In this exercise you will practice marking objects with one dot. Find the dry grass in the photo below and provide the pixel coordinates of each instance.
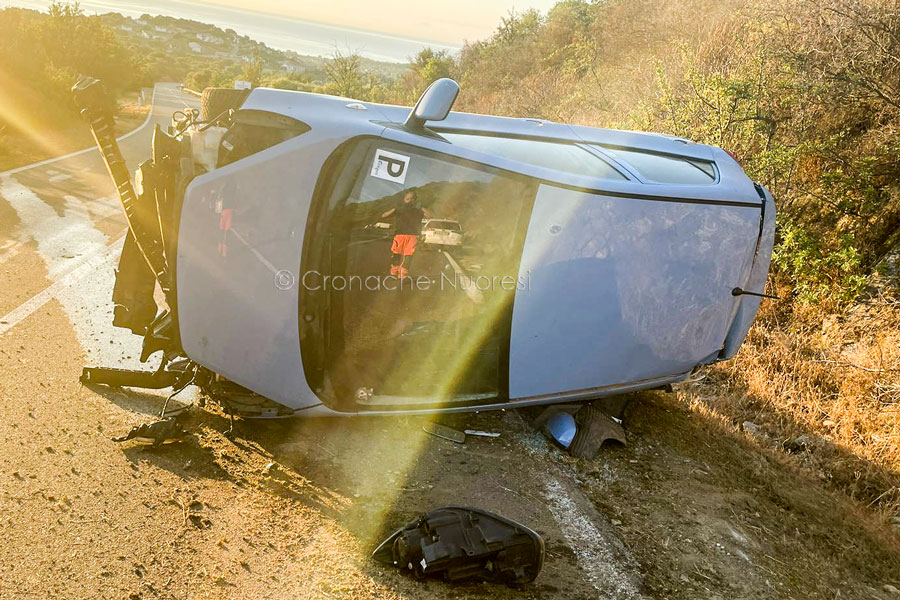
(828, 393)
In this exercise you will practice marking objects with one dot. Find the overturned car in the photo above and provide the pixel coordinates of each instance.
(285, 232)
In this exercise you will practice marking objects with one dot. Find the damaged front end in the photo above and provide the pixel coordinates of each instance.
(147, 205)
(144, 294)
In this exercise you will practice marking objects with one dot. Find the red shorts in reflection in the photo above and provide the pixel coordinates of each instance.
(404, 245)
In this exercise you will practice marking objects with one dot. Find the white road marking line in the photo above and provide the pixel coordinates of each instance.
(609, 567)
(98, 207)
(595, 554)
(86, 150)
(471, 290)
(89, 266)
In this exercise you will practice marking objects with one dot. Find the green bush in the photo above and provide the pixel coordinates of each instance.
(821, 273)
(42, 55)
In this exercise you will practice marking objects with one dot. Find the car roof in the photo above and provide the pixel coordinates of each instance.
(301, 105)
(335, 118)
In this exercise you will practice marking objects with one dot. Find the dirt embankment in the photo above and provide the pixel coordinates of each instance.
(825, 394)
(292, 510)
(711, 511)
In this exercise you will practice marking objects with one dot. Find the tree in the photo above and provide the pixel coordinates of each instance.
(427, 66)
(345, 75)
(75, 44)
(253, 69)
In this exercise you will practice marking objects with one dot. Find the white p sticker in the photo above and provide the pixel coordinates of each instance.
(390, 166)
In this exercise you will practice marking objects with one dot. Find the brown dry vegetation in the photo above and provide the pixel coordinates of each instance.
(826, 391)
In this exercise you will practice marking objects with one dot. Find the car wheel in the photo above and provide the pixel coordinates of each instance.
(216, 101)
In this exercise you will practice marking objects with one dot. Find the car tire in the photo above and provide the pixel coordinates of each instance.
(216, 100)
(595, 426)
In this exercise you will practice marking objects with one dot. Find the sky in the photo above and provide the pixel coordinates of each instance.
(388, 30)
(448, 21)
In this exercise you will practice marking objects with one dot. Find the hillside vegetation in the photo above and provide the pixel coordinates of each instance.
(806, 94)
(41, 56)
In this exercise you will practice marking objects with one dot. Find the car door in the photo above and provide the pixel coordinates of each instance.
(624, 289)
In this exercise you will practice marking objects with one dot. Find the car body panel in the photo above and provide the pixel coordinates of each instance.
(623, 290)
(756, 282)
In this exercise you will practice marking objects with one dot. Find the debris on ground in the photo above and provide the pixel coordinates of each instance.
(461, 543)
(801, 443)
(753, 430)
(594, 428)
(160, 432)
(580, 429)
(562, 427)
(558, 422)
(479, 433)
(444, 432)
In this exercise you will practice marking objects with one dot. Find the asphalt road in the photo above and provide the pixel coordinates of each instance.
(62, 228)
(285, 511)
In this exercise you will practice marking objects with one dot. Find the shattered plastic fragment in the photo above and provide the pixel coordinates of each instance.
(444, 432)
(562, 428)
(156, 433)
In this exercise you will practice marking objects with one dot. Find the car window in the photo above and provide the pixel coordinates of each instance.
(449, 225)
(559, 156)
(254, 131)
(663, 168)
(439, 333)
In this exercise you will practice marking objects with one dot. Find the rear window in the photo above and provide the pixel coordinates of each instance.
(254, 131)
(568, 158)
(663, 168)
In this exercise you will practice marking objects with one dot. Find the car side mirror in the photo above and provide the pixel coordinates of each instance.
(434, 104)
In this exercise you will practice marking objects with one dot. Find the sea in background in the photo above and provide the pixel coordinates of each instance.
(282, 33)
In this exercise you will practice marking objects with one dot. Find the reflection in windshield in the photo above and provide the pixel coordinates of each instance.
(424, 266)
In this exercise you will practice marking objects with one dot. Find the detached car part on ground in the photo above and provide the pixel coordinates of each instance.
(595, 262)
(459, 543)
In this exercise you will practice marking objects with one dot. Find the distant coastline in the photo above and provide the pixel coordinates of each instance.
(283, 33)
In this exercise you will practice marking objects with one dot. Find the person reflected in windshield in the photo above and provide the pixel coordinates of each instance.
(406, 234)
